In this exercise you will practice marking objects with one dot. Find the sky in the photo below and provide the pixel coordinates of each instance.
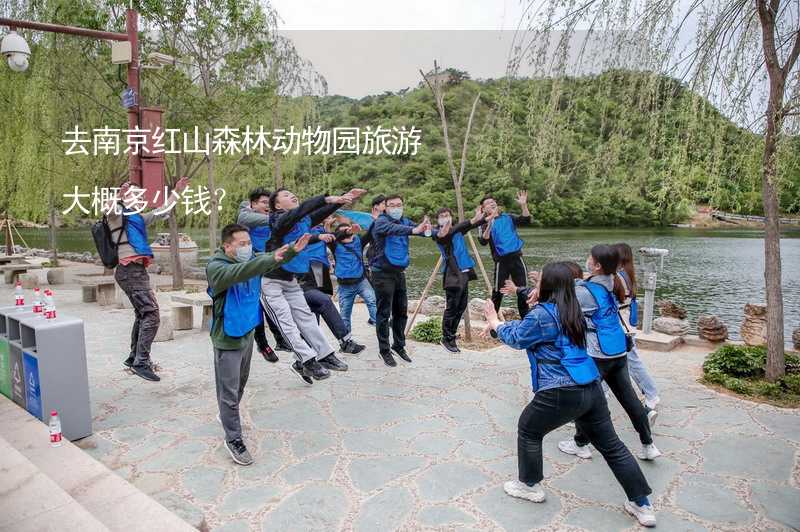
(365, 47)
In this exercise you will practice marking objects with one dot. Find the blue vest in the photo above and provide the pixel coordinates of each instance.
(460, 253)
(606, 320)
(318, 252)
(259, 236)
(241, 312)
(136, 231)
(300, 263)
(574, 359)
(395, 249)
(348, 259)
(634, 306)
(504, 236)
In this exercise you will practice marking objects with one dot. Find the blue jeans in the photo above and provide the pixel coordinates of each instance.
(347, 296)
(640, 375)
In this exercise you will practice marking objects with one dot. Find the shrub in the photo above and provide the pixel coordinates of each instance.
(792, 383)
(429, 331)
(737, 361)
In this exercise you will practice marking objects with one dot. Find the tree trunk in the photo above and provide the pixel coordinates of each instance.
(213, 218)
(174, 244)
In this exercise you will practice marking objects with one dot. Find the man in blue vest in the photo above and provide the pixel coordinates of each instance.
(457, 270)
(234, 284)
(254, 214)
(506, 245)
(351, 274)
(390, 233)
(131, 274)
(283, 296)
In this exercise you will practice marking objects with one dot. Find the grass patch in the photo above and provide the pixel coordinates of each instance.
(740, 369)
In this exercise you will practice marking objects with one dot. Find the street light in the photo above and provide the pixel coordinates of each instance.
(16, 51)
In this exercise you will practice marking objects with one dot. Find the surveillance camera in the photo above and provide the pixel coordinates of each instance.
(16, 51)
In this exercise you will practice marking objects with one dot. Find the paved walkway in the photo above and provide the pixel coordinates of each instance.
(420, 446)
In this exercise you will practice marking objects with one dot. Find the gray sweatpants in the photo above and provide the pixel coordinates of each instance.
(286, 305)
(231, 369)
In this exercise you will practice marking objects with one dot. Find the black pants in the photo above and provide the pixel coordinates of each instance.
(260, 334)
(392, 301)
(615, 372)
(322, 305)
(135, 282)
(456, 303)
(550, 409)
(513, 268)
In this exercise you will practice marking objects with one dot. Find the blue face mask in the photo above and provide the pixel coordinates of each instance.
(244, 253)
(395, 212)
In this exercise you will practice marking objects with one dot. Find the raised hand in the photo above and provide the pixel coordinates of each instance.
(354, 229)
(522, 197)
(301, 242)
(533, 277)
(356, 193)
(420, 228)
(509, 289)
(489, 311)
(533, 297)
(280, 253)
(326, 237)
(182, 183)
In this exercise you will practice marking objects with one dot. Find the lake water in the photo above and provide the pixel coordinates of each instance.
(707, 271)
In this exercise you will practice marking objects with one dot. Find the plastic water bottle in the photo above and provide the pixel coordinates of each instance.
(37, 302)
(428, 232)
(49, 305)
(55, 430)
(19, 295)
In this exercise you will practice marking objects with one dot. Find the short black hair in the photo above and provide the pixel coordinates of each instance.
(229, 230)
(393, 196)
(487, 197)
(380, 198)
(273, 198)
(258, 193)
(444, 210)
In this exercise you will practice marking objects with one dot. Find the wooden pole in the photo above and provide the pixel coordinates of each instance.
(433, 276)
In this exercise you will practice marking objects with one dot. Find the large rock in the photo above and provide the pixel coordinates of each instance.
(669, 309)
(55, 276)
(754, 327)
(796, 339)
(671, 326)
(433, 306)
(711, 328)
(476, 308)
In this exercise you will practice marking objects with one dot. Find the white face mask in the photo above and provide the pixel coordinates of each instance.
(443, 221)
(244, 253)
(395, 212)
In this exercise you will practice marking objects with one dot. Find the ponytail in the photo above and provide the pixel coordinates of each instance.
(608, 259)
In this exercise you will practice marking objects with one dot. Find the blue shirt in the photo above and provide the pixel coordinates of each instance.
(537, 333)
(384, 226)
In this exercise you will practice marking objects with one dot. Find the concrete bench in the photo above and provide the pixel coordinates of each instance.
(182, 316)
(11, 259)
(194, 300)
(99, 288)
(12, 271)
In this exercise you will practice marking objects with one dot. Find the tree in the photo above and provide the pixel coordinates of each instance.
(738, 46)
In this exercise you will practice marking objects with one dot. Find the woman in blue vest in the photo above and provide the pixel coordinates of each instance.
(506, 246)
(457, 270)
(567, 388)
(351, 277)
(607, 344)
(636, 366)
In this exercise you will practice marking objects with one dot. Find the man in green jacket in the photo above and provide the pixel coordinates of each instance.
(234, 284)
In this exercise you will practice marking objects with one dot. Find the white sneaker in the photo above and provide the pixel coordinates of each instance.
(652, 403)
(518, 489)
(644, 514)
(652, 415)
(570, 447)
(649, 452)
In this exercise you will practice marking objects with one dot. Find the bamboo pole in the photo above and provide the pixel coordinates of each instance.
(433, 276)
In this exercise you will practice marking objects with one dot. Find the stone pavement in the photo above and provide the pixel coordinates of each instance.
(424, 446)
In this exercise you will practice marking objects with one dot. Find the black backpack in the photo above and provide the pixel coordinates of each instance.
(106, 246)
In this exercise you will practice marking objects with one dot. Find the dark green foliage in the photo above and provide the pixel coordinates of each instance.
(428, 331)
(741, 369)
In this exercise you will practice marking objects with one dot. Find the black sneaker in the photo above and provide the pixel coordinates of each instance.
(268, 354)
(388, 359)
(317, 371)
(146, 372)
(450, 346)
(283, 346)
(302, 372)
(128, 361)
(371, 322)
(331, 362)
(401, 352)
(239, 452)
(351, 347)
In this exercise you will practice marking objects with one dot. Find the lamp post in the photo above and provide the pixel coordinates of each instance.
(131, 36)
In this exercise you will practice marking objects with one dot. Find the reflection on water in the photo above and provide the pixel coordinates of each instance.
(707, 271)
